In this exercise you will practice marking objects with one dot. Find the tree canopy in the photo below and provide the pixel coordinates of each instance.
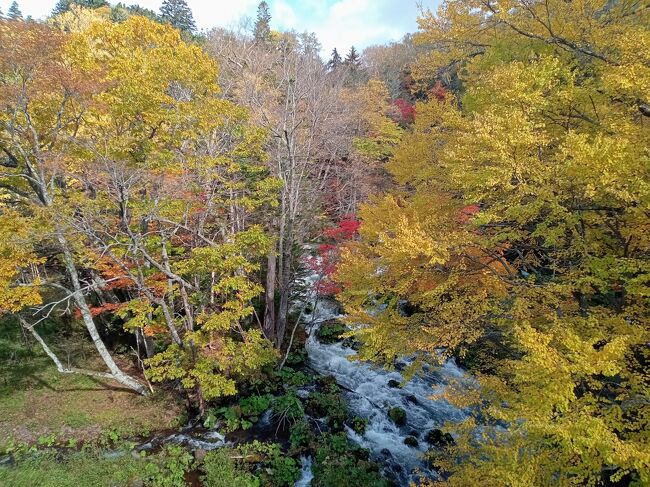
(517, 240)
(477, 192)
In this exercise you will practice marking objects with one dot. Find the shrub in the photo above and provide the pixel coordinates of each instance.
(337, 462)
(288, 409)
(168, 469)
(301, 435)
(220, 470)
(331, 331)
(328, 405)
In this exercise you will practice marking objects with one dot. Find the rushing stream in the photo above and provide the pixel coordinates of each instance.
(369, 395)
(370, 391)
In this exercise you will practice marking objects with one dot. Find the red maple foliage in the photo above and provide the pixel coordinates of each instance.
(467, 213)
(346, 228)
(328, 254)
(406, 109)
(438, 92)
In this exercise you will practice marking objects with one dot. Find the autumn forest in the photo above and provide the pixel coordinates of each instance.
(232, 258)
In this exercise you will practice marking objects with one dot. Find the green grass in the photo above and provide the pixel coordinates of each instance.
(92, 468)
(79, 469)
(36, 400)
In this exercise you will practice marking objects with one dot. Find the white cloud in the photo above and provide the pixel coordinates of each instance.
(284, 15)
(361, 23)
(339, 24)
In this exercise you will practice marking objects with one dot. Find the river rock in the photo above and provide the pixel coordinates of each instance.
(438, 438)
(398, 415)
(394, 383)
(412, 399)
(411, 441)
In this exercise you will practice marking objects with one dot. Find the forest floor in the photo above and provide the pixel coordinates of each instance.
(60, 430)
(39, 405)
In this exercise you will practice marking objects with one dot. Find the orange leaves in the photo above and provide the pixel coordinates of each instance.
(113, 274)
(467, 213)
(105, 308)
(153, 329)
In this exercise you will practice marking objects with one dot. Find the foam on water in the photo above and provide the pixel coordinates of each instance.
(372, 397)
(306, 475)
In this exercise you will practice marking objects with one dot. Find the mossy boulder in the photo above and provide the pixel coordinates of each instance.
(397, 415)
(438, 438)
(411, 441)
(358, 424)
(331, 331)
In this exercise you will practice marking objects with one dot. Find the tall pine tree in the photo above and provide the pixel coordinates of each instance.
(14, 12)
(263, 22)
(178, 14)
(336, 60)
(353, 60)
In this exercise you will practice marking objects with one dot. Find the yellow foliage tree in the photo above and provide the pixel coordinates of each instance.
(124, 162)
(518, 240)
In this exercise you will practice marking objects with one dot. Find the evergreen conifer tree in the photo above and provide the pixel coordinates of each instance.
(336, 60)
(353, 60)
(263, 22)
(178, 14)
(14, 12)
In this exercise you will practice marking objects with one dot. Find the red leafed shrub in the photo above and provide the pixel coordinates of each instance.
(106, 308)
(467, 213)
(406, 109)
(328, 254)
(98, 310)
(347, 228)
(438, 92)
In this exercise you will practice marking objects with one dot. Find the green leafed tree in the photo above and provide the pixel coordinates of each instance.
(121, 12)
(63, 6)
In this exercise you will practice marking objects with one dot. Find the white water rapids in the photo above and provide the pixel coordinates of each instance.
(373, 397)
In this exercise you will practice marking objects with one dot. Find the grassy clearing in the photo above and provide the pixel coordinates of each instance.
(37, 401)
(92, 468)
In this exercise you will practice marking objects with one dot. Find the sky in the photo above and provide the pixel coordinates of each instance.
(337, 23)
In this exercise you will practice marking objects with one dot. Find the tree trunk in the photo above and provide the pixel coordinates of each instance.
(146, 342)
(285, 296)
(87, 317)
(269, 311)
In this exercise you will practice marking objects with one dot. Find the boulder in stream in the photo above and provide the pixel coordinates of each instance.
(411, 441)
(438, 438)
(398, 416)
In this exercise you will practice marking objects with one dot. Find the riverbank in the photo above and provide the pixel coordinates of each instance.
(321, 420)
